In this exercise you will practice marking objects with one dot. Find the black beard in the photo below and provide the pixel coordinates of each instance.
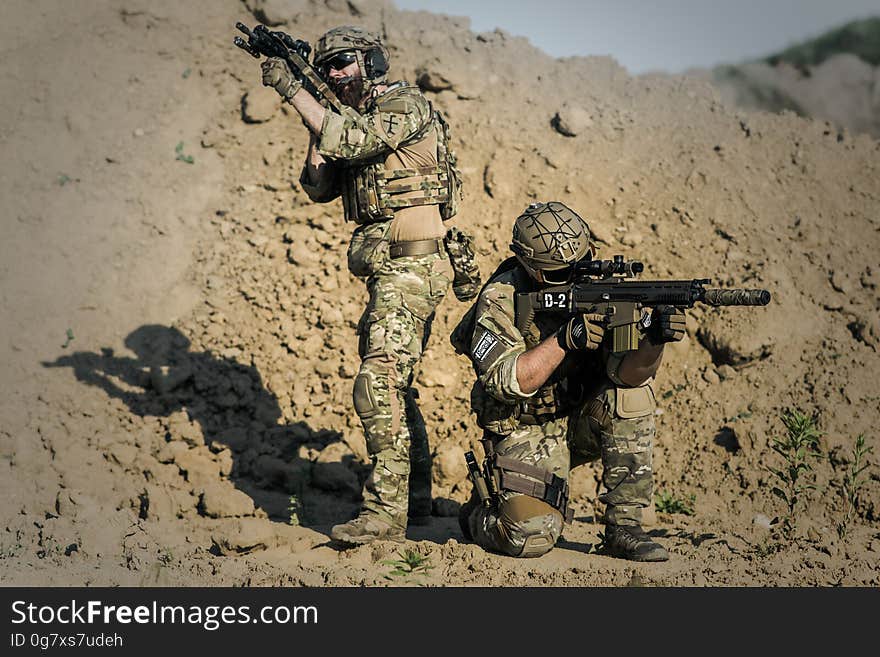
(349, 92)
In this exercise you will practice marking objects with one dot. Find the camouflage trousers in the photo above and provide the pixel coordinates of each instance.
(394, 329)
(523, 526)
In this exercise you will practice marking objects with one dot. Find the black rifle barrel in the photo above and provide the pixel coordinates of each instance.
(736, 297)
(241, 43)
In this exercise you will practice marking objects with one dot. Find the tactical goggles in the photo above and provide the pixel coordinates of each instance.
(557, 276)
(338, 61)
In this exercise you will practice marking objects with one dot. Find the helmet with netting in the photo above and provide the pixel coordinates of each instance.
(548, 238)
(372, 56)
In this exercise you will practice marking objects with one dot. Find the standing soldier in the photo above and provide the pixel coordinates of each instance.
(388, 161)
(551, 394)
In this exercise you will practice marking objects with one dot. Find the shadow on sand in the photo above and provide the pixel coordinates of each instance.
(234, 410)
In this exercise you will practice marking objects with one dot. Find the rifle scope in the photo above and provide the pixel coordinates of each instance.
(607, 268)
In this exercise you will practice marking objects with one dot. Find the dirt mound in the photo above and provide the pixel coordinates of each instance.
(198, 427)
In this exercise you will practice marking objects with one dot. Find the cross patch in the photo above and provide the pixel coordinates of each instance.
(391, 122)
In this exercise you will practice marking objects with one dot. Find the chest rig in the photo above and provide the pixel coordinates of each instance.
(372, 190)
(562, 391)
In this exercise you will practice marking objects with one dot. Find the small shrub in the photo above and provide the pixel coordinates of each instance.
(295, 509)
(666, 502)
(411, 563)
(178, 150)
(852, 482)
(799, 445)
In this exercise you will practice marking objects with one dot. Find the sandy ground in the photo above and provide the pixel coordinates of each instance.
(196, 428)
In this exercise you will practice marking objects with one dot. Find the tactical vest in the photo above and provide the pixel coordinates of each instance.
(371, 191)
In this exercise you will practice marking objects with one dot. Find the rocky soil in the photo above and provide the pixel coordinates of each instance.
(178, 321)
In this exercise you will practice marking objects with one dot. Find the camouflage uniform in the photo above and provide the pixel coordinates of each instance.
(395, 142)
(580, 414)
(393, 332)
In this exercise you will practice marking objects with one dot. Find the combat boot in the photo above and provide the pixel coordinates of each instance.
(367, 528)
(631, 542)
(419, 519)
(420, 502)
(419, 511)
(464, 517)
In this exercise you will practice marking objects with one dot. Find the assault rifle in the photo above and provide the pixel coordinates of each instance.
(261, 41)
(602, 286)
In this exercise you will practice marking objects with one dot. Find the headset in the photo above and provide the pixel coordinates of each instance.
(375, 63)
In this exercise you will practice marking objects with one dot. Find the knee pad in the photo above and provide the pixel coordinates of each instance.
(376, 401)
(530, 526)
(364, 396)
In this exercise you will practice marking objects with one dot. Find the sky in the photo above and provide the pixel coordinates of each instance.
(664, 35)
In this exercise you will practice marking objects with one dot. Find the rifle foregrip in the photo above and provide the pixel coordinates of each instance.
(736, 297)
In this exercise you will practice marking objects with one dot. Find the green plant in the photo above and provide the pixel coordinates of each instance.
(63, 179)
(853, 481)
(797, 447)
(295, 508)
(189, 159)
(69, 335)
(411, 563)
(666, 502)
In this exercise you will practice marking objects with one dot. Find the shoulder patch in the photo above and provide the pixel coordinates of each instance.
(402, 114)
(390, 124)
(396, 106)
(488, 346)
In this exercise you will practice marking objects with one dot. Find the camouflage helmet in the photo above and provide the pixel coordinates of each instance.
(372, 54)
(548, 238)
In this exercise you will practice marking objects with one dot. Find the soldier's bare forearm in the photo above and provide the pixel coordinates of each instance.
(535, 366)
(311, 111)
(640, 365)
(317, 166)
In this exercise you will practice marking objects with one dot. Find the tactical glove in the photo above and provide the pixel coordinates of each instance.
(277, 74)
(582, 332)
(667, 325)
(466, 282)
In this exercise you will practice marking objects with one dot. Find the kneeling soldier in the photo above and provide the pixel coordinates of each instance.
(551, 394)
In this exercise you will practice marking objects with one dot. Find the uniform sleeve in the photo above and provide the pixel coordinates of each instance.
(395, 120)
(497, 344)
(326, 190)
